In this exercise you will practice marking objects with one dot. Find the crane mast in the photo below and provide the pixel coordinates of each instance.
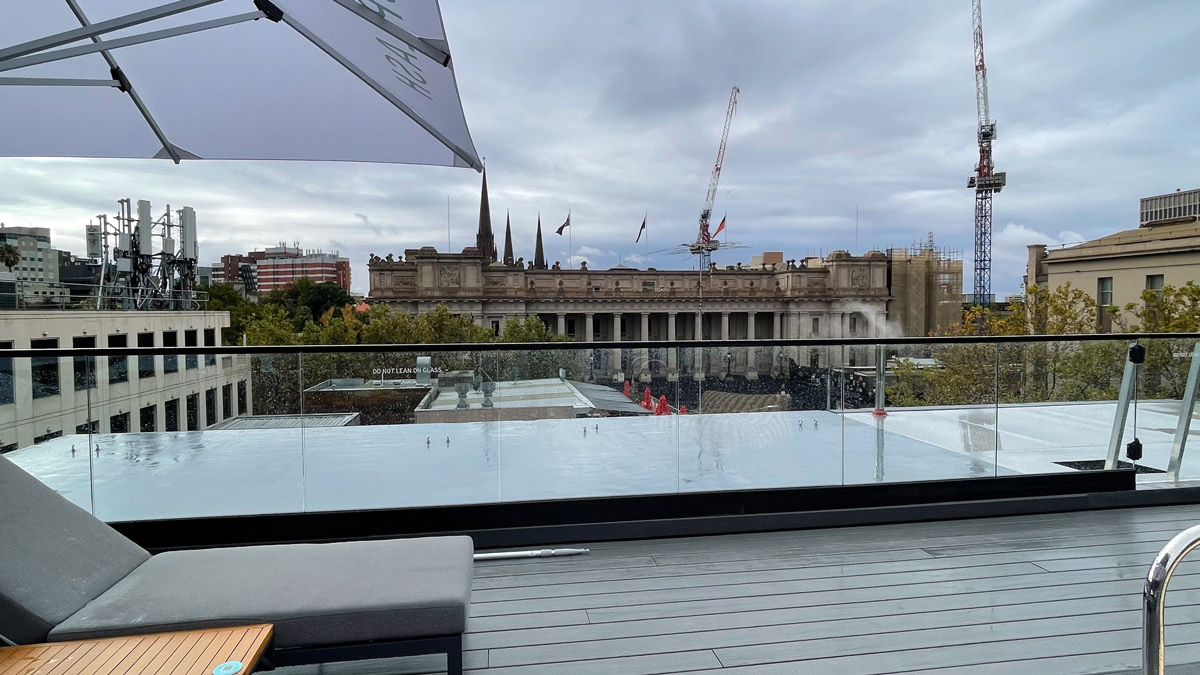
(986, 180)
(704, 239)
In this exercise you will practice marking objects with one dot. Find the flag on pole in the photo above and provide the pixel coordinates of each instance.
(720, 227)
(641, 231)
(565, 224)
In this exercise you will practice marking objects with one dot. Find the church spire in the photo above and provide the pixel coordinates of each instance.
(484, 241)
(508, 252)
(539, 258)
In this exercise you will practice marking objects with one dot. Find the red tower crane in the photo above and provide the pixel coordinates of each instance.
(986, 180)
(705, 245)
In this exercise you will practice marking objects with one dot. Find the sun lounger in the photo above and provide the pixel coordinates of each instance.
(65, 575)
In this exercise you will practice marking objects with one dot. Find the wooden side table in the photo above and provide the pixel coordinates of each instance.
(194, 652)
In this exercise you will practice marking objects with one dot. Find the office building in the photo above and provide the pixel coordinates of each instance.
(42, 399)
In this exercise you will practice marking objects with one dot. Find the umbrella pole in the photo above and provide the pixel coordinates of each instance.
(541, 553)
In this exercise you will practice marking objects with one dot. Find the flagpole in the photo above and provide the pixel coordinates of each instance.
(570, 242)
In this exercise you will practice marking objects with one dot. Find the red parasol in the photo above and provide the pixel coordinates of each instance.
(625, 389)
(683, 410)
(648, 400)
(663, 408)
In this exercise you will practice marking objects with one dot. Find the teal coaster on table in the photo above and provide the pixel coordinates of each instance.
(228, 668)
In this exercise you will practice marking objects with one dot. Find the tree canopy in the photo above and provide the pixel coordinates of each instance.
(1068, 370)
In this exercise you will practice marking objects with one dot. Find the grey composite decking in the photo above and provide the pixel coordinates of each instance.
(1028, 594)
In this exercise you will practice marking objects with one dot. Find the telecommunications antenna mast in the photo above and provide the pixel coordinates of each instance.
(986, 180)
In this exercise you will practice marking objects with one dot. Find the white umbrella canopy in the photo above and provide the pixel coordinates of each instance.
(330, 80)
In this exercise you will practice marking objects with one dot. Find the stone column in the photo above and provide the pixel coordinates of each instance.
(672, 352)
(618, 367)
(775, 326)
(588, 326)
(645, 334)
(562, 324)
(751, 352)
(724, 325)
(699, 326)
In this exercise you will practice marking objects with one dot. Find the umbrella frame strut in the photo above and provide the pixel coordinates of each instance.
(41, 50)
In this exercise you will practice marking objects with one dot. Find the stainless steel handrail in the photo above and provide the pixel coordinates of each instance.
(1153, 596)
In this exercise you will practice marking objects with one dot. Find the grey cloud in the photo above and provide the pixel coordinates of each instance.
(613, 110)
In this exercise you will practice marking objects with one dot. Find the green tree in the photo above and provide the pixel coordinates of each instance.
(271, 327)
(1018, 372)
(306, 301)
(439, 325)
(225, 298)
(10, 257)
(385, 327)
(1173, 310)
(531, 329)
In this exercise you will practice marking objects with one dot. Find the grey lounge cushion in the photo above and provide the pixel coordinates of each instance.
(54, 556)
(315, 594)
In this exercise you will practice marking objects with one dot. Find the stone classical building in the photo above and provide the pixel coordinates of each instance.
(1115, 269)
(840, 295)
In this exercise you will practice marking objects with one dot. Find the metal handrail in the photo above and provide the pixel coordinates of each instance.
(1153, 596)
(938, 341)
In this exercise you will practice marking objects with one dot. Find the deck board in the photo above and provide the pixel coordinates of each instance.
(1057, 593)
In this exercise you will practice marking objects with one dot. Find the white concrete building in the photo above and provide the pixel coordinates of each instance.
(42, 399)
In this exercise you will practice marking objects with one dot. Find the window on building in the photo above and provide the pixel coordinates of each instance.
(210, 340)
(170, 361)
(193, 412)
(814, 358)
(227, 401)
(171, 415)
(210, 407)
(92, 427)
(47, 436)
(147, 419)
(242, 408)
(145, 363)
(1104, 291)
(853, 325)
(84, 366)
(118, 366)
(816, 326)
(7, 448)
(1104, 300)
(7, 378)
(495, 328)
(190, 361)
(44, 369)
(119, 424)
(1154, 282)
(648, 286)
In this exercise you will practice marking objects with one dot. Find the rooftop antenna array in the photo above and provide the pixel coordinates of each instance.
(133, 275)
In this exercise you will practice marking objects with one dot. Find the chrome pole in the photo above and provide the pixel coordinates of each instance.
(1153, 596)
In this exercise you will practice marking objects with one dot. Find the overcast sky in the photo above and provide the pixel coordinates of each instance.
(613, 110)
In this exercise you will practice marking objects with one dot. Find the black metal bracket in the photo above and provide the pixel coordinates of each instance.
(269, 10)
(1137, 354)
(119, 75)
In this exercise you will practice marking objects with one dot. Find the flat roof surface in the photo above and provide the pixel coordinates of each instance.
(207, 473)
(549, 392)
(287, 421)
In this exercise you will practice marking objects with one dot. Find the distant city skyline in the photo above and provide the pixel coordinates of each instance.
(614, 111)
